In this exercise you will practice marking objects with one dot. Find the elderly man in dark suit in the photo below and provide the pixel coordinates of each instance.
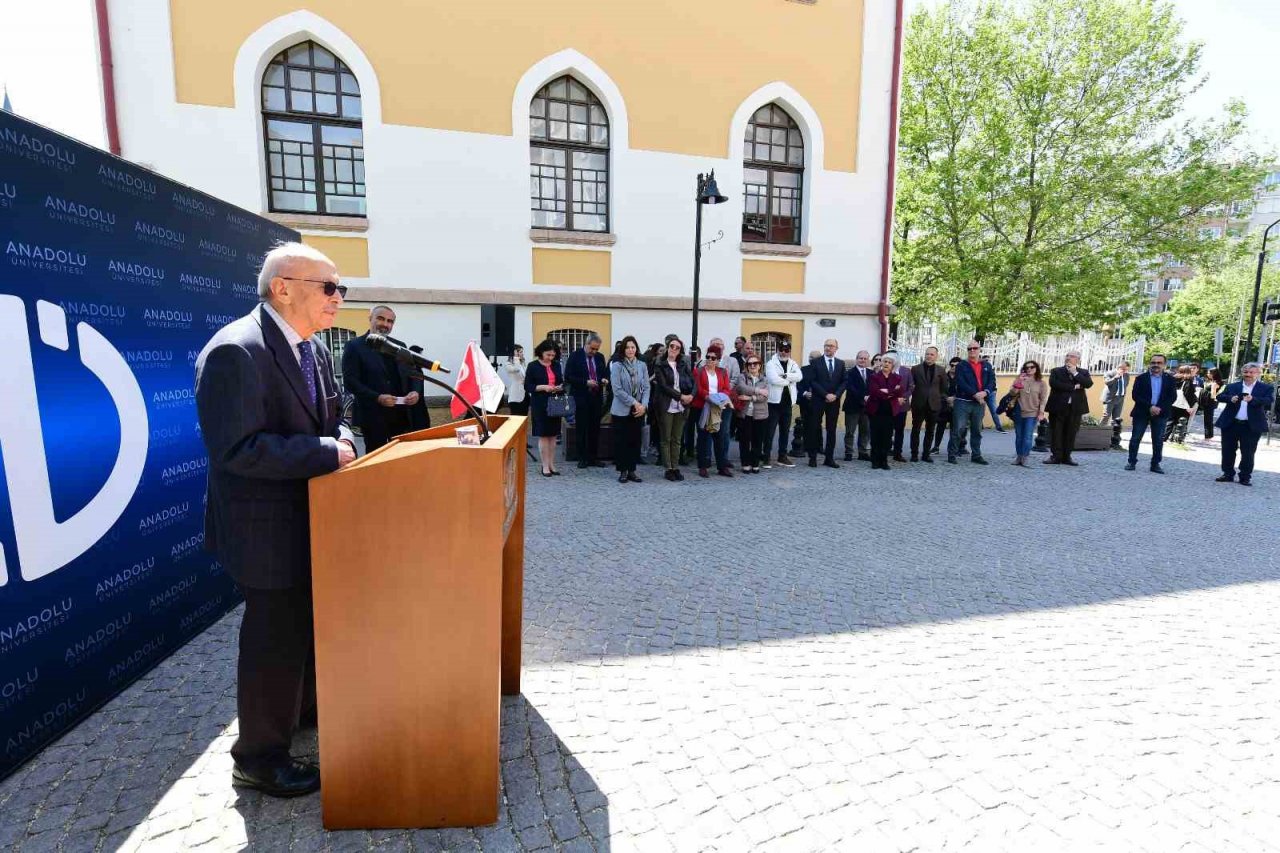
(270, 417)
(1068, 403)
(587, 375)
(856, 381)
(385, 396)
(826, 386)
(928, 390)
(1243, 421)
(1153, 394)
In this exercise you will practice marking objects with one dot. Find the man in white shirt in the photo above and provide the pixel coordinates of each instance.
(1243, 421)
(783, 375)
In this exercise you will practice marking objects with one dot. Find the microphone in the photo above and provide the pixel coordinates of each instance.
(386, 346)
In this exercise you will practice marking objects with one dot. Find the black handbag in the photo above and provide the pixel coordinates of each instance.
(1008, 403)
(560, 406)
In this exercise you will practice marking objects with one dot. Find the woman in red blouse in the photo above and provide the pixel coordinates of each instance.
(886, 398)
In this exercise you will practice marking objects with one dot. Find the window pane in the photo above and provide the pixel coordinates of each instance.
(299, 79)
(578, 113)
(547, 156)
(346, 205)
(762, 134)
(538, 128)
(299, 54)
(274, 76)
(349, 85)
(293, 201)
(795, 157)
(577, 133)
(273, 99)
(334, 135)
(548, 219)
(538, 107)
(326, 83)
(559, 111)
(301, 102)
(327, 104)
(357, 168)
(576, 91)
(598, 116)
(599, 135)
(321, 57)
(583, 160)
(351, 107)
(762, 152)
(786, 179)
(762, 114)
(559, 130)
(793, 137)
(588, 222)
(779, 136)
(289, 130)
(559, 89)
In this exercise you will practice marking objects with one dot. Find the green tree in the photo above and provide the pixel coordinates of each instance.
(1210, 301)
(1042, 161)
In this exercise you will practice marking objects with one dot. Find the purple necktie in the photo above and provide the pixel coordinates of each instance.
(308, 365)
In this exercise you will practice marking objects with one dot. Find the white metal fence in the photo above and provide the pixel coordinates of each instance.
(1008, 353)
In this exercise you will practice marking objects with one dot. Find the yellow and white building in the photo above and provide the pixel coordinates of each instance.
(540, 154)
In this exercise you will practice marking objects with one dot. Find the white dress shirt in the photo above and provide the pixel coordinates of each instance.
(1242, 413)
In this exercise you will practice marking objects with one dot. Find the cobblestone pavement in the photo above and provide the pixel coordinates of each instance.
(933, 658)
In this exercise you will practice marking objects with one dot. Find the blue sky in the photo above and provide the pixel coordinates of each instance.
(48, 59)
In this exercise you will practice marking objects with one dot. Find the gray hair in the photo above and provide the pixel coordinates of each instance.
(279, 259)
(375, 309)
(1252, 365)
(1070, 353)
(593, 338)
(889, 356)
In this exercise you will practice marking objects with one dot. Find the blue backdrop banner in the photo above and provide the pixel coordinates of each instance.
(111, 281)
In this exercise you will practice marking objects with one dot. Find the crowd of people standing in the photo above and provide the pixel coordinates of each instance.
(687, 408)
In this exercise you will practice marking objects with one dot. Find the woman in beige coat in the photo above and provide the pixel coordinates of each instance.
(1033, 392)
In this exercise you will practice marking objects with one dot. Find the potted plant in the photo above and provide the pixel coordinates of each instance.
(1093, 434)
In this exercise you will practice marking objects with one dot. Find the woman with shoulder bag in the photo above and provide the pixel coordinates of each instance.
(1027, 410)
(1209, 400)
(751, 390)
(544, 380)
(1184, 404)
(630, 380)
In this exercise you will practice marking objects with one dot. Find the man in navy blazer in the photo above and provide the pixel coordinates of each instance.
(1153, 393)
(826, 385)
(855, 408)
(270, 417)
(1243, 421)
(586, 376)
(975, 381)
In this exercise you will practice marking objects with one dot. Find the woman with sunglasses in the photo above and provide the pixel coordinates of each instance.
(672, 396)
(751, 390)
(542, 379)
(886, 398)
(712, 400)
(1028, 412)
(630, 382)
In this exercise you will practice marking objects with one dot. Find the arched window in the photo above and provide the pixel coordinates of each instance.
(311, 122)
(766, 343)
(568, 158)
(772, 177)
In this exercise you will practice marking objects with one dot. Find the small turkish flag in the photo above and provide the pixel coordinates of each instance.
(477, 382)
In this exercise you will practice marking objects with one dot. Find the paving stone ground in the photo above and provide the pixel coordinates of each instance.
(933, 658)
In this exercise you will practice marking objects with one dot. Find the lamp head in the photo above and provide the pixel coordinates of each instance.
(708, 192)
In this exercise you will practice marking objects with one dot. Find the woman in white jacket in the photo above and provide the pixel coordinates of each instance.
(782, 373)
(513, 376)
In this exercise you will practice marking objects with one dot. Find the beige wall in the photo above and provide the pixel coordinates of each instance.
(683, 66)
(583, 267)
(349, 254)
(772, 276)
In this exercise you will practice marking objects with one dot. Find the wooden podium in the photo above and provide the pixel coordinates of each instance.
(417, 554)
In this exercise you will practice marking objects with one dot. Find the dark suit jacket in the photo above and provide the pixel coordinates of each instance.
(576, 376)
(928, 396)
(1264, 396)
(825, 382)
(855, 390)
(1141, 394)
(364, 375)
(1063, 396)
(265, 440)
(664, 389)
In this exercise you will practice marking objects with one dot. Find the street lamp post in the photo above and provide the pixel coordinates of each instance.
(707, 193)
(1257, 288)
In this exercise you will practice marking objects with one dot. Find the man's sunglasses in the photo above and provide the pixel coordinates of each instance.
(330, 287)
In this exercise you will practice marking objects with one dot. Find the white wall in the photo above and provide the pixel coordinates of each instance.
(450, 210)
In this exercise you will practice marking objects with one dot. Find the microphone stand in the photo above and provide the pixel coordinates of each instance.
(483, 423)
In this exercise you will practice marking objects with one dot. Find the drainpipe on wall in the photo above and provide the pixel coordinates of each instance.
(894, 97)
(108, 76)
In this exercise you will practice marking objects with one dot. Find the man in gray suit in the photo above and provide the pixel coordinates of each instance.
(270, 415)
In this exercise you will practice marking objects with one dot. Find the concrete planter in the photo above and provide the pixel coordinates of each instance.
(1093, 437)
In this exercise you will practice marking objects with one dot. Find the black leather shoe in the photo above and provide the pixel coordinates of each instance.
(813, 463)
(864, 457)
(848, 457)
(294, 779)
(1131, 466)
(582, 463)
(622, 478)
(927, 458)
(978, 460)
(831, 463)
(897, 457)
(1246, 483)
(951, 460)
(632, 478)
(1156, 469)
(1073, 463)
(1225, 478)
